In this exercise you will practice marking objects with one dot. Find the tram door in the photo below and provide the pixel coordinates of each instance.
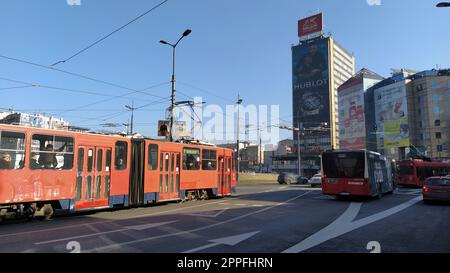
(224, 176)
(93, 177)
(169, 175)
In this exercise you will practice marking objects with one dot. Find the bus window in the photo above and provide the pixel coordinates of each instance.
(209, 160)
(12, 150)
(340, 165)
(152, 156)
(191, 159)
(120, 158)
(51, 152)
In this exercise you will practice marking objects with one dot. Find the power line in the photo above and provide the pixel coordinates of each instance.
(110, 34)
(77, 75)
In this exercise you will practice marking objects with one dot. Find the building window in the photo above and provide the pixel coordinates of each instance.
(439, 148)
(12, 150)
(420, 112)
(51, 152)
(434, 85)
(120, 161)
(436, 110)
(438, 135)
(152, 156)
(437, 122)
(191, 159)
(419, 88)
(423, 136)
(435, 97)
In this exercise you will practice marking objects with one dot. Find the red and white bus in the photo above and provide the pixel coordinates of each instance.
(355, 173)
(414, 172)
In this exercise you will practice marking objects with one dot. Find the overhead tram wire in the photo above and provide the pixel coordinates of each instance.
(110, 34)
(77, 75)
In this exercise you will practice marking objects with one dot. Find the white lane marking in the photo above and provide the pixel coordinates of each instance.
(137, 227)
(207, 213)
(101, 249)
(105, 221)
(346, 224)
(240, 204)
(229, 241)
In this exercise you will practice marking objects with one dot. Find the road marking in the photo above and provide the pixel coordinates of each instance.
(137, 227)
(345, 224)
(229, 241)
(409, 192)
(240, 204)
(106, 221)
(207, 214)
(101, 249)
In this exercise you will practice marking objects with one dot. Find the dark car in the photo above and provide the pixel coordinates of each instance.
(436, 188)
(302, 180)
(287, 178)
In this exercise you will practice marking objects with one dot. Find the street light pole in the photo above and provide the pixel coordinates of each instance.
(239, 101)
(132, 116)
(172, 97)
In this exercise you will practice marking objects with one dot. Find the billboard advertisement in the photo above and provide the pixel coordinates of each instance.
(352, 131)
(310, 25)
(391, 116)
(311, 82)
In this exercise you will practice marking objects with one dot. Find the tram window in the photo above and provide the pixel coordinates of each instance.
(90, 162)
(108, 161)
(121, 155)
(152, 156)
(12, 150)
(209, 160)
(80, 159)
(99, 160)
(51, 152)
(79, 186)
(191, 159)
(107, 185)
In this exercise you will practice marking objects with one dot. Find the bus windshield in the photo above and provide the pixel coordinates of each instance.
(343, 165)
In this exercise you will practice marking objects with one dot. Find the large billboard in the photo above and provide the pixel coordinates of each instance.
(391, 116)
(310, 78)
(352, 131)
(312, 25)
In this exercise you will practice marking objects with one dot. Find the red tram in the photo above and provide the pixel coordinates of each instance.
(43, 171)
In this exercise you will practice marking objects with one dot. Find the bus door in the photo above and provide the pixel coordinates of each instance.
(169, 175)
(93, 177)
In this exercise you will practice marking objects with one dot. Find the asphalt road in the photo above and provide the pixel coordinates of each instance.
(261, 218)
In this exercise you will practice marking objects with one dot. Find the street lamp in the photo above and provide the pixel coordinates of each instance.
(131, 108)
(185, 33)
(238, 102)
(443, 5)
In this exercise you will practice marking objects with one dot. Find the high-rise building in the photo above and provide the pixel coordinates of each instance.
(429, 93)
(352, 109)
(320, 65)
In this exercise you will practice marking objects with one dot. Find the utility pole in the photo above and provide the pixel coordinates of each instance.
(172, 97)
(132, 115)
(239, 101)
(299, 132)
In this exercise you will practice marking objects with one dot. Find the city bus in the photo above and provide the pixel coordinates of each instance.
(355, 173)
(414, 172)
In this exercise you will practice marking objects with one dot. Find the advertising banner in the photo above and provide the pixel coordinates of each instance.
(352, 132)
(311, 82)
(391, 116)
(310, 25)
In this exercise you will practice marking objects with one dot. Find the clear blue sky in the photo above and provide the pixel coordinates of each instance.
(235, 46)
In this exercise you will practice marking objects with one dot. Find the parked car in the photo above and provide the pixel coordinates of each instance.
(287, 178)
(315, 180)
(302, 180)
(436, 188)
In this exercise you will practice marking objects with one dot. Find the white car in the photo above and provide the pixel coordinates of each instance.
(315, 180)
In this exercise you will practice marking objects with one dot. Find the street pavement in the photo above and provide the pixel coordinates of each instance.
(260, 218)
